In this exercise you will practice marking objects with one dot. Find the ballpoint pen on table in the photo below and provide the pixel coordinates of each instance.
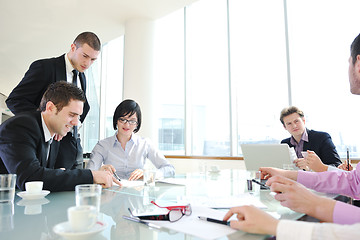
(261, 184)
(214, 220)
(134, 219)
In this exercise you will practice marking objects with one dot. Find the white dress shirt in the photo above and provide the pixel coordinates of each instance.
(69, 73)
(137, 150)
(299, 230)
(47, 135)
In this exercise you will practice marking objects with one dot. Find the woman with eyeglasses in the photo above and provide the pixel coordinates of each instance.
(125, 153)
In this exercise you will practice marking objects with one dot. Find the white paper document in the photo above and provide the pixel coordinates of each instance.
(199, 228)
(127, 183)
(224, 202)
(175, 181)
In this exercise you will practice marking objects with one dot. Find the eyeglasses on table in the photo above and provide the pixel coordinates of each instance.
(175, 213)
(186, 209)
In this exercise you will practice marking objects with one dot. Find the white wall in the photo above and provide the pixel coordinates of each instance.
(138, 71)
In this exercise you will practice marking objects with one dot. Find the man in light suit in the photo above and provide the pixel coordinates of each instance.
(303, 139)
(27, 94)
(25, 139)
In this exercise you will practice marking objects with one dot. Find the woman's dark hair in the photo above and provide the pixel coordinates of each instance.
(127, 107)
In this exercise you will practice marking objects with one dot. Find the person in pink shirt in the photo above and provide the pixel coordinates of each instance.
(342, 221)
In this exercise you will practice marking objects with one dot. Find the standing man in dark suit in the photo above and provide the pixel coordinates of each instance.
(25, 139)
(303, 139)
(27, 94)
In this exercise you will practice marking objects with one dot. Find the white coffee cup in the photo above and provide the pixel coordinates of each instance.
(82, 218)
(34, 187)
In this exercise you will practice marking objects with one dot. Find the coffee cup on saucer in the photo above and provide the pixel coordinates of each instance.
(82, 218)
(34, 187)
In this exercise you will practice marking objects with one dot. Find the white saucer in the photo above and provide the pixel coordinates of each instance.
(30, 202)
(32, 196)
(63, 229)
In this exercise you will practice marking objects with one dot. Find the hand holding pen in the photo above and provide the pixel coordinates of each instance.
(348, 159)
(261, 184)
(252, 220)
(111, 169)
(346, 166)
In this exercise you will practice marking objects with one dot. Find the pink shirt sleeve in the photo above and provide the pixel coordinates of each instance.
(339, 182)
(345, 213)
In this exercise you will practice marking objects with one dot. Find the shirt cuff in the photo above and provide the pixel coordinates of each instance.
(294, 230)
(345, 213)
(332, 168)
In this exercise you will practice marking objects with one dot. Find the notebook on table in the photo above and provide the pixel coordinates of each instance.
(267, 155)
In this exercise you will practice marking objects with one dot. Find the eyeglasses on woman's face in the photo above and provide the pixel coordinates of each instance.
(124, 121)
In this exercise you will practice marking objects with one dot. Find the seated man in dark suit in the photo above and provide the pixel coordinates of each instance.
(25, 139)
(303, 139)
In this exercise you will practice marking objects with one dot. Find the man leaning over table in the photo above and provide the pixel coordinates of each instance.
(24, 142)
(69, 67)
(343, 220)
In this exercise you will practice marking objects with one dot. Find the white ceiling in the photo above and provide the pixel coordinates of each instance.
(35, 29)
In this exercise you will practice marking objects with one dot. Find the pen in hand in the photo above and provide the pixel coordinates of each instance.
(116, 176)
(348, 159)
(261, 184)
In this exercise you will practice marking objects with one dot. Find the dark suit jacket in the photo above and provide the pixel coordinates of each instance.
(322, 145)
(26, 96)
(23, 152)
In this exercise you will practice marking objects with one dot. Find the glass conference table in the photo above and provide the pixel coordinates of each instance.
(35, 219)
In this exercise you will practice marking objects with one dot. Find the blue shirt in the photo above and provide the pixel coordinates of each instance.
(137, 150)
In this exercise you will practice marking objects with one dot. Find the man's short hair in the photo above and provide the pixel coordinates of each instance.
(288, 111)
(60, 94)
(90, 39)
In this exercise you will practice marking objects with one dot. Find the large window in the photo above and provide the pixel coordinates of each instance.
(169, 79)
(258, 69)
(242, 62)
(207, 78)
(104, 93)
(319, 50)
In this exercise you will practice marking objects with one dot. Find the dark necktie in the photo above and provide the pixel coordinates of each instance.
(75, 74)
(48, 143)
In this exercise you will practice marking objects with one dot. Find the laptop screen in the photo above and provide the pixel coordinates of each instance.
(267, 155)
